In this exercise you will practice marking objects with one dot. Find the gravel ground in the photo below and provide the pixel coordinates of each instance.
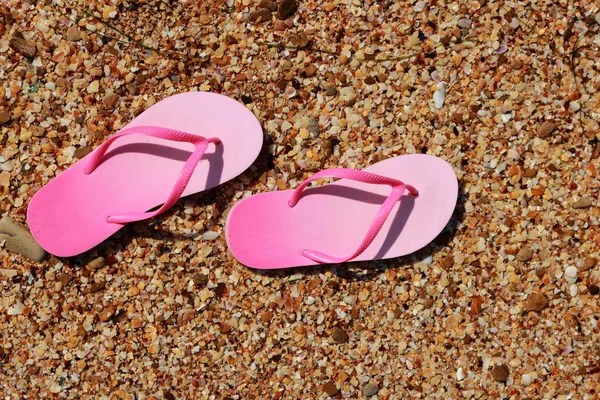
(504, 304)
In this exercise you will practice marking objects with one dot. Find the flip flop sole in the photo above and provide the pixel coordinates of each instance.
(137, 173)
(264, 232)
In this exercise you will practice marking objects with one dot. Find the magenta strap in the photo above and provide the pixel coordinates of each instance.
(398, 189)
(200, 143)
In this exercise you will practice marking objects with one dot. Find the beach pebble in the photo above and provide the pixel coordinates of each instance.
(97, 263)
(370, 389)
(589, 263)
(465, 23)
(4, 117)
(525, 254)
(313, 127)
(93, 87)
(210, 235)
(97, 286)
(16, 309)
(571, 274)
(110, 99)
(286, 8)
(420, 6)
(439, 96)
(23, 47)
(535, 302)
(339, 336)
(261, 15)
(584, 202)
(331, 389)
(73, 34)
(500, 373)
(330, 91)
(19, 240)
(106, 313)
(545, 129)
(460, 375)
(64, 279)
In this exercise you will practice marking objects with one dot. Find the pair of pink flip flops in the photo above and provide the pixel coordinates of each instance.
(194, 141)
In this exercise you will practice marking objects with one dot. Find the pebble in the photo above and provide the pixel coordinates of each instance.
(210, 235)
(571, 274)
(82, 151)
(106, 313)
(300, 40)
(439, 96)
(266, 317)
(73, 34)
(370, 389)
(545, 129)
(584, 202)
(19, 240)
(589, 263)
(97, 263)
(448, 261)
(310, 71)
(110, 99)
(133, 291)
(500, 373)
(4, 117)
(286, 8)
(330, 91)
(525, 254)
(594, 289)
(331, 389)
(460, 374)
(261, 15)
(535, 302)
(339, 336)
(23, 47)
(16, 309)
(271, 5)
(93, 87)
(64, 279)
(313, 127)
(465, 23)
(476, 303)
(279, 26)
(97, 286)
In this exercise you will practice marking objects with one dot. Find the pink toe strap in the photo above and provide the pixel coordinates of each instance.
(200, 143)
(398, 189)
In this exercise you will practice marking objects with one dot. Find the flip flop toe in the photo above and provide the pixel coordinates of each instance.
(182, 145)
(356, 218)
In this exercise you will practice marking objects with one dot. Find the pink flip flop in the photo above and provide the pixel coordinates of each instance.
(156, 159)
(353, 219)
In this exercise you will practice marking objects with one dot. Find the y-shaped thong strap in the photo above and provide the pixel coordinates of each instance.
(398, 189)
(200, 143)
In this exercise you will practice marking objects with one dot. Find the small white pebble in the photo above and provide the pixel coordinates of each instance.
(420, 6)
(210, 235)
(465, 23)
(460, 375)
(439, 96)
(574, 290)
(571, 274)
(17, 309)
(513, 154)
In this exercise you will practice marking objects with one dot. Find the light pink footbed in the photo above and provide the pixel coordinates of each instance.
(69, 215)
(264, 232)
